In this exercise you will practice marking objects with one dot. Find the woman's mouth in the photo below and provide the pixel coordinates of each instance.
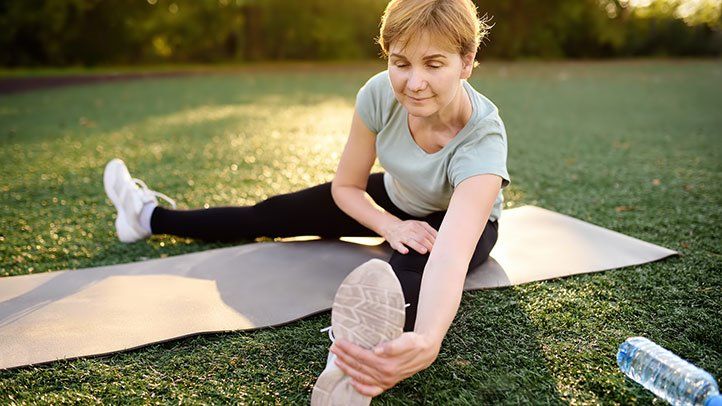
(418, 99)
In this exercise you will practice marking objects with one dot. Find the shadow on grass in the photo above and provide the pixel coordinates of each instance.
(490, 356)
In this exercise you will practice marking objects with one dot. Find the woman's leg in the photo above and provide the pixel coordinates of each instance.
(410, 267)
(310, 211)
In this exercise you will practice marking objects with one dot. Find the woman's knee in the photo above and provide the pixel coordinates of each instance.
(409, 269)
(412, 261)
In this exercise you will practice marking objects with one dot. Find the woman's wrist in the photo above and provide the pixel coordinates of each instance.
(360, 206)
(389, 221)
(432, 347)
(435, 343)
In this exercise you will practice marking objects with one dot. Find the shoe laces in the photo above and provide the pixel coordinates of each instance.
(145, 189)
(329, 329)
(330, 333)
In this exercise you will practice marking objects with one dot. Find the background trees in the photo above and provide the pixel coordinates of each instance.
(91, 32)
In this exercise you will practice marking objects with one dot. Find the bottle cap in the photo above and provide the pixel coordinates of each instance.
(715, 400)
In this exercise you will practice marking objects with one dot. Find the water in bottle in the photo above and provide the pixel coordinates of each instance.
(667, 375)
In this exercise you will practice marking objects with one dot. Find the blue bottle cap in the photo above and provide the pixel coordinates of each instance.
(715, 400)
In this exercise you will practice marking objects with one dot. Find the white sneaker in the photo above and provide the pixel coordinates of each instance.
(129, 199)
(368, 309)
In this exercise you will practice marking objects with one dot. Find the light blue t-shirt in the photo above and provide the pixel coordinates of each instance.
(420, 183)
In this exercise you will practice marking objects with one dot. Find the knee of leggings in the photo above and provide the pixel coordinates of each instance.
(410, 285)
(410, 262)
(409, 269)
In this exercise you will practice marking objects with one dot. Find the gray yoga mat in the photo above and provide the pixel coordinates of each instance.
(101, 310)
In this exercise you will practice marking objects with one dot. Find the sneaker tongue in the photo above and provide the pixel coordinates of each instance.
(147, 197)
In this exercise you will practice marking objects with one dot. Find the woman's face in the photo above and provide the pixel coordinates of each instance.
(425, 77)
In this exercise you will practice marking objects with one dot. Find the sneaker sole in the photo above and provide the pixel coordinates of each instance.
(333, 387)
(368, 309)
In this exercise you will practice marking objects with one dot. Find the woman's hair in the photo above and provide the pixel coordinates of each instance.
(452, 24)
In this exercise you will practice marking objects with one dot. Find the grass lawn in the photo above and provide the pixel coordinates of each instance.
(635, 147)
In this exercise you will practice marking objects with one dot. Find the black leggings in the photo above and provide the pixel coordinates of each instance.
(312, 211)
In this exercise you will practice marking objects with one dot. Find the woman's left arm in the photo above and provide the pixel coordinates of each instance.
(442, 284)
(445, 272)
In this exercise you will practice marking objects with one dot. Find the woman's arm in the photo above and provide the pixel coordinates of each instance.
(349, 193)
(443, 279)
(374, 371)
(349, 185)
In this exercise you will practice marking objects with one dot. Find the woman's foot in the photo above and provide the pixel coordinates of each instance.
(130, 196)
(368, 309)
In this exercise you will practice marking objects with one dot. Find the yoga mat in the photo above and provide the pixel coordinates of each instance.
(95, 311)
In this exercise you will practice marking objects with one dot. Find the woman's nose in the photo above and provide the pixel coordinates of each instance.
(416, 82)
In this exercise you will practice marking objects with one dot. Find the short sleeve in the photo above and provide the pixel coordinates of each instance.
(371, 101)
(483, 155)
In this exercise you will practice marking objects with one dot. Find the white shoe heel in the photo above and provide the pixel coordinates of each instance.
(128, 195)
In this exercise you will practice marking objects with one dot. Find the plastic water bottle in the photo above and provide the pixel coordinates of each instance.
(667, 375)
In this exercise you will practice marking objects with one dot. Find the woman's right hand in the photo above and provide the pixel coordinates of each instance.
(418, 235)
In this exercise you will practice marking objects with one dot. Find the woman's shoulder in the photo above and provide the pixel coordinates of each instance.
(486, 116)
(379, 85)
(484, 108)
(380, 78)
(375, 101)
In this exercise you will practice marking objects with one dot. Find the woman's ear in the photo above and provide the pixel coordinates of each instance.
(467, 63)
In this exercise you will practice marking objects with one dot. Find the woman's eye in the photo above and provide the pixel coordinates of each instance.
(404, 65)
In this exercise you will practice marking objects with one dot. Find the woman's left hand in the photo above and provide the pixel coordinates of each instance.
(374, 371)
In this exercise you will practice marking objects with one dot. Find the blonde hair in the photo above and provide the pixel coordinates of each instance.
(453, 24)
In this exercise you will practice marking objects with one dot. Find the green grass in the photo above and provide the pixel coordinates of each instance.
(631, 146)
(31, 72)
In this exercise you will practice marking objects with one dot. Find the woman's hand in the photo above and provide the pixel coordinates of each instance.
(415, 234)
(374, 371)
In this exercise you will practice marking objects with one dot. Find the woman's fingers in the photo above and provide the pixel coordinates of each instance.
(432, 231)
(399, 247)
(355, 374)
(368, 390)
(413, 234)
(427, 235)
(429, 244)
(424, 229)
(402, 245)
(424, 242)
(417, 246)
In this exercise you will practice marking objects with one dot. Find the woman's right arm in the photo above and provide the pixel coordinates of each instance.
(349, 185)
(348, 189)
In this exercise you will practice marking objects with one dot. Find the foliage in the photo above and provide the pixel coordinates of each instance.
(91, 32)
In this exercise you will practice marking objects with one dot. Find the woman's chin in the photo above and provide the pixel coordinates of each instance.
(420, 111)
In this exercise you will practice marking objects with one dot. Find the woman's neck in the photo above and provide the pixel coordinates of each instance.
(452, 118)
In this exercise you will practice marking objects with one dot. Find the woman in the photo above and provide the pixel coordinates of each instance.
(443, 148)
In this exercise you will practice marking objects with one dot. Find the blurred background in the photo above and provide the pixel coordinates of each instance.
(130, 32)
